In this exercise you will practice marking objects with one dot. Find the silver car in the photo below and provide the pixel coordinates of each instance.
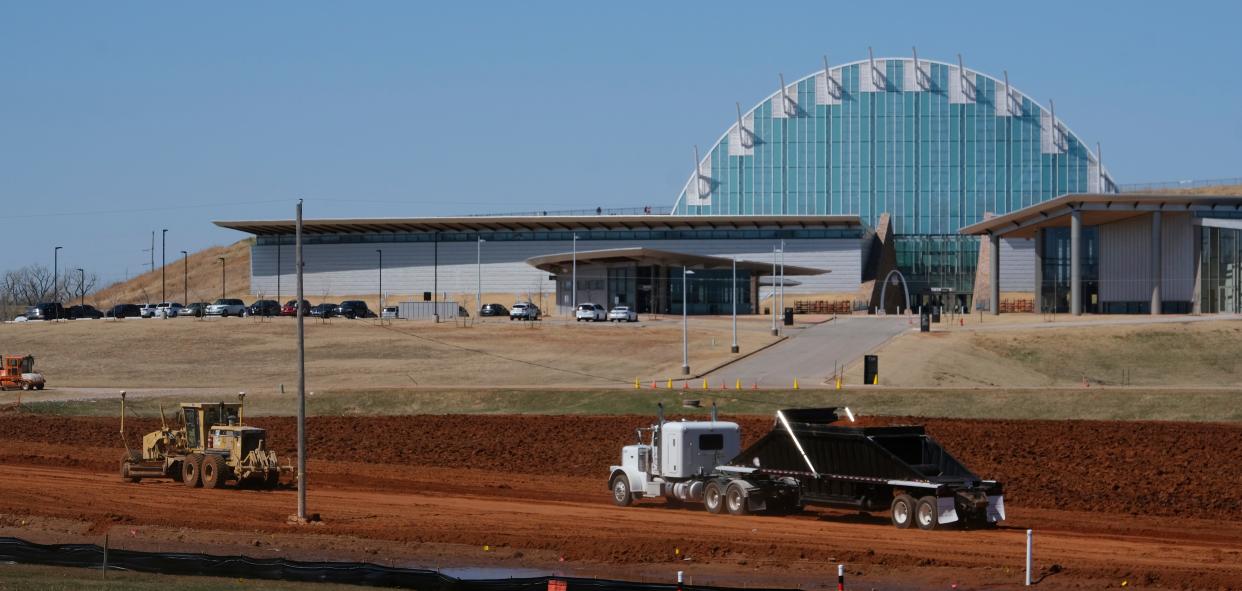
(148, 310)
(226, 307)
(622, 314)
(524, 311)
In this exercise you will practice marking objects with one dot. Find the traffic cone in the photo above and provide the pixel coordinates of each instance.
(838, 382)
(654, 386)
(723, 385)
(670, 383)
(754, 385)
(685, 385)
(738, 384)
(795, 384)
(704, 383)
(875, 379)
(636, 386)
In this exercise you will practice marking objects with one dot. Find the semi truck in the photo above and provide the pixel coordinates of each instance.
(808, 458)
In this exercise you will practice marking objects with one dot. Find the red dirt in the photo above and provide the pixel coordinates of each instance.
(1111, 501)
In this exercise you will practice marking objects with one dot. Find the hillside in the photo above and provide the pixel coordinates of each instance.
(1216, 190)
(203, 279)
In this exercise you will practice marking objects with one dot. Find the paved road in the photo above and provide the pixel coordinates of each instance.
(812, 353)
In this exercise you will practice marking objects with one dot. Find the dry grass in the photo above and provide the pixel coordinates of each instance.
(203, 279)
(259, 355)
(1193, 354)
(1211, 190)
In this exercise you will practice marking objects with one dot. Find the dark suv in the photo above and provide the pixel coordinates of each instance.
(125, 311)
(354, 309)
(493, 310)
(83, 311)
(46, 311)
(263, 308)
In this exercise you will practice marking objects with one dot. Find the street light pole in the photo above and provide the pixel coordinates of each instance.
(278, 241)
(56, 273)
(380, 252)
(297, 257)
(573, 303)
(163, 266)
(733, 296)
(685, 334)
(782, 278)
(185, 277)
(773, 293)
(478, 297)
(222, 277)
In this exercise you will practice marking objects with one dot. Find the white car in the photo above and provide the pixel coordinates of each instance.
(148, 310)
(170, 310)
(389, 312)
(590, 313)
(524, 311)
(226, 307)
(622, 314)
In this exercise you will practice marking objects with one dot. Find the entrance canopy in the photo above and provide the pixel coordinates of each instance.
(562, 263)
(1097, 209)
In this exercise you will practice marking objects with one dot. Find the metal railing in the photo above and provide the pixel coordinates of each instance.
(645, 210)
(1185, 184)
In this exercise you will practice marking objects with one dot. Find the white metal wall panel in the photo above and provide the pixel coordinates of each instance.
(871, 80)
(1125, 260)
(1006, 102)
(828, 91)
(961, 87)
(736, 146)
(1017, 264)
(915, 76)
(786, 106)
(1093, 177)
(1177, 241)
(1050, 142)
(350, 269)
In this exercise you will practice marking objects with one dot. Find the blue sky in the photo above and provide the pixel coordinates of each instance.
(125, 117)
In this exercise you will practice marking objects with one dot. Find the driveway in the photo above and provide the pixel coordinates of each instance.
(812, 353)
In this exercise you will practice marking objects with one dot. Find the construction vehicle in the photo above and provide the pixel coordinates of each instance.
(808, 458)
(18, 373)
(209, 448)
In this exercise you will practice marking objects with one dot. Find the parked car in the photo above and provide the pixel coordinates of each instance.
(524, 311)
(84, 311)
(290, 308)
(168, 309)
(264, 308)
(226, 307)
(324, 310)
(622, 314)
(354, 309)
(196, 310)
(590, 313)
(389, 312)
(493, 310)
(148, 311)
(46, 311)
(125, 311)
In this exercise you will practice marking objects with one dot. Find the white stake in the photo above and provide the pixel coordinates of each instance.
(1028, 558)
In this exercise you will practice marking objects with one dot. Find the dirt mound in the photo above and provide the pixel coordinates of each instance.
(1142, 468)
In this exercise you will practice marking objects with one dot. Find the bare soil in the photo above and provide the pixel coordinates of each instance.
(1153, 504)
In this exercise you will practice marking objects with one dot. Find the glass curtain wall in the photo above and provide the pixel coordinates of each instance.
(1219, 261)
(1054, 289)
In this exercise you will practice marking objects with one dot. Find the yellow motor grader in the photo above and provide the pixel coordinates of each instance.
(209, 448)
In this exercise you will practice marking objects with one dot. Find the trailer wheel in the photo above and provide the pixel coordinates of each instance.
(190, 470)
(735, 500)
(713, 499)
(902, 511)
(129, 458)
(925, 514)
(621, 494)
(213, 470)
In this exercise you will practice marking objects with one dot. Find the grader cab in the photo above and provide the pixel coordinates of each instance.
(209, 448)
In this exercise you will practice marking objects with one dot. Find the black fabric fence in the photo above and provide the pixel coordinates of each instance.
(353, 573)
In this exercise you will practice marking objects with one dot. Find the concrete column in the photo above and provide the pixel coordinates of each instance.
(1076, 262)
(994, 271)
(1039, 272)
(1157, 271)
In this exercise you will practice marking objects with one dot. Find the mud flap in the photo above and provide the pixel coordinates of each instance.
(946, 509)
(996, 508)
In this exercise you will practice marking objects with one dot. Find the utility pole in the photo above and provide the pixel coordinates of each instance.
(782, 279)
(380, 252)
(278, 242)
(733, 296)
(685, 325)
(163, 265)
(56, 273)
(478, 298)
(773, 293)
(222, 277)
(301, 373)
(152, 251)
(185, 277)
(573, 303)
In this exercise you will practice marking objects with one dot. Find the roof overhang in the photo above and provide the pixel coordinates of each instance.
(544, 223)
(1096, 209)
(561, 263)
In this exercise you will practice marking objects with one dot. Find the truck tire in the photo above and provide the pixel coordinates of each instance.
(621, 494)
(926, 514)
(902, 511)
(191, 469)
(129, 458)
(215, 473)
(713, 498)
(735, 500)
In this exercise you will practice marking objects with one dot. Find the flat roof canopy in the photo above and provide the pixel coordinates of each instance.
(545, 223)
(561, 263)
(1096, 209)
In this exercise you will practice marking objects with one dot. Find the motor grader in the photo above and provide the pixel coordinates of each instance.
(209, 448)
(17, 372)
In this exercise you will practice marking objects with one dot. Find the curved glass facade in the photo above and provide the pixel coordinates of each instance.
(937, 147)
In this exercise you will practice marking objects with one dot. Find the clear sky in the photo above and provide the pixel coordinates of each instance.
(119, 118)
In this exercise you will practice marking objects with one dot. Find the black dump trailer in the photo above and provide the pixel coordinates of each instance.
(836, 464)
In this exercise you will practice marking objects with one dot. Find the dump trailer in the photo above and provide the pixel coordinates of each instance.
(209, 447)
(17, 372)
(808, 458)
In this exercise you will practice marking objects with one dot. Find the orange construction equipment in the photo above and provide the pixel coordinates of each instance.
(18, 373)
